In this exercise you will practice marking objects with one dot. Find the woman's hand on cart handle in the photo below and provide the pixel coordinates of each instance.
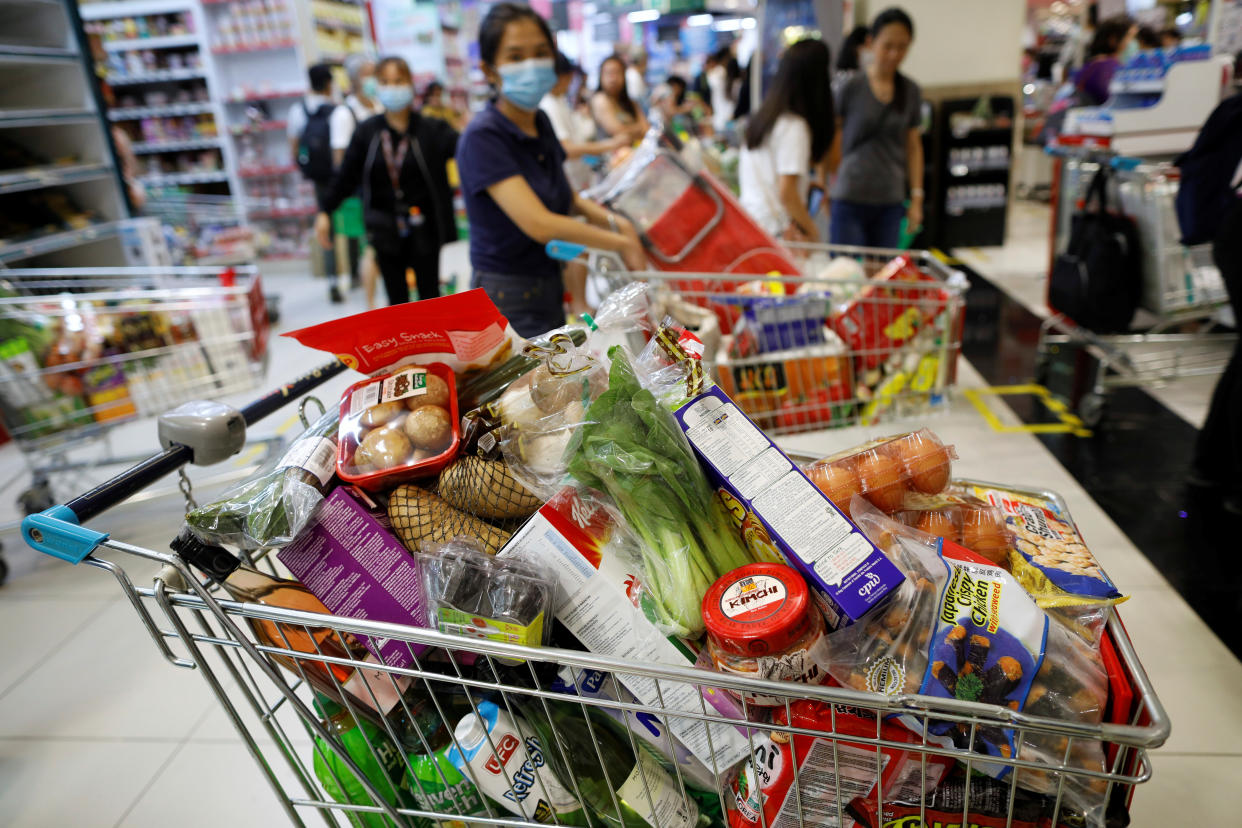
(632, 253)
(323, 230)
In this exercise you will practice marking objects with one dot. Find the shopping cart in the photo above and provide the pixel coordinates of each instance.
(84, 350)
(207, 230)
(864, 336)
(260, 662)
(1177, 332)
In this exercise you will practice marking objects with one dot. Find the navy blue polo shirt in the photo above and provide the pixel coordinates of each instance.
(492, 149)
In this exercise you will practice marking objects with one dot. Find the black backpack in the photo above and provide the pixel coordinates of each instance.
(1204, 194)
(315, 143)
(1097, 282)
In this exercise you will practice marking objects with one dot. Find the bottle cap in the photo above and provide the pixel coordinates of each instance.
(216, 561)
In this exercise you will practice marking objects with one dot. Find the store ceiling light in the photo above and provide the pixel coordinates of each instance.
(699, 20)
(748, 22)
(731, 25)
(644, 16)
(1184, 19)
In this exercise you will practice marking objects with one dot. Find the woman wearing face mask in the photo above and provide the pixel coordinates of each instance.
(1112, 45)
(879, 111)
(616, 114)
(397, 161)
(513, 179)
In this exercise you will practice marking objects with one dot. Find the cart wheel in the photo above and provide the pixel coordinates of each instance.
(37, 498)
(272, 301)
(1092, 409)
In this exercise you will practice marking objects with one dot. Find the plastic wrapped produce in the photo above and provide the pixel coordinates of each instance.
(273, 506)
(965, 629)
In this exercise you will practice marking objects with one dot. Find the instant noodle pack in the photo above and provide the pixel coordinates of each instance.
(612, 498)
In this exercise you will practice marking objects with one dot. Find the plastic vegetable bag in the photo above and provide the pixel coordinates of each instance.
(273, 506)
(632, 449)
(962, 628)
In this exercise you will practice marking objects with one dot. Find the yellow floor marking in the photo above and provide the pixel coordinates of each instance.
(1069, 423)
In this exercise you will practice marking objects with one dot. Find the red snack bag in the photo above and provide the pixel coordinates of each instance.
(768, 778)
(882, 318)
(465, 331)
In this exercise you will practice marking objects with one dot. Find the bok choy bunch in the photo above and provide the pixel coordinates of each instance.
(632, 449)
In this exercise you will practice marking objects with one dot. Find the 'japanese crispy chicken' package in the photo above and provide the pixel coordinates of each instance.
(962, 628)
(465, 331)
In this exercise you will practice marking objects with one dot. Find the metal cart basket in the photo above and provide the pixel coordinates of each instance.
(864, 335)
(322, 763)
(1176, 331)
(88, 349)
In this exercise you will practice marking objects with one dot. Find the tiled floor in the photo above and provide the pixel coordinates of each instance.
(96, 729)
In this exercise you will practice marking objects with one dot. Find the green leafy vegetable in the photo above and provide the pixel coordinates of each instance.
(632, 449)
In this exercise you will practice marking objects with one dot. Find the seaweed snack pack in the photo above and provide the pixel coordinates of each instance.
(1049, 556)
(767, 781)
(271, 507)
(963, 628)
(885, 471)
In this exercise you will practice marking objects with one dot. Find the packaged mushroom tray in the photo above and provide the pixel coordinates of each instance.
(398, 427)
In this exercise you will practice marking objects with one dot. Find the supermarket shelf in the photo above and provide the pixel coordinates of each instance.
(268, 96)
(18, 51)
(14, 249)
(166, 42)
(133, 113)
(150, 147)
(284, 213)
(36, 178)
(281, 257)
(338, 25)
(273, 46)
(175, 179)
(41, 117)
(262, 126)
(130, 8)
(160, 76)
(266, 172)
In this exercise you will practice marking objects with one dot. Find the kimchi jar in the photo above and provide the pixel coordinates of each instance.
(762, 623)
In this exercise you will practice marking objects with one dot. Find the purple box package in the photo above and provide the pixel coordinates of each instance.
(847, 573)
(359, 570)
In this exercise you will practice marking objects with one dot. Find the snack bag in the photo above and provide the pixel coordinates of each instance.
(465, 331)
(962, 628)
(826, 764)
(1048, 555)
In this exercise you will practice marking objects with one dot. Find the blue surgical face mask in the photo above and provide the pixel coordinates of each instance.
(525, 83)
(370, 87)
(394, 98)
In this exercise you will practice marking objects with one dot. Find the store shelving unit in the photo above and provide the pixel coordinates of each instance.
(59, 186)
(975, 157)
(340, 28)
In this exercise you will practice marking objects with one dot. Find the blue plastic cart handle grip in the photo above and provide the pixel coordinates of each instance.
(564, 251)
(1125, 163)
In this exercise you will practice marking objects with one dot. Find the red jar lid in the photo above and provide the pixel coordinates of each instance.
(758, 609)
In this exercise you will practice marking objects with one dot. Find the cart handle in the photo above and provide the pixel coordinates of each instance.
(58, 531)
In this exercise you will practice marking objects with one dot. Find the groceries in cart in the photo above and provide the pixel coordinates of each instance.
(622, 507)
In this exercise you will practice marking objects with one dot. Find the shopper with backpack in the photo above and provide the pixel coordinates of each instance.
(398, 161)
(1209, 208)
(319, 130)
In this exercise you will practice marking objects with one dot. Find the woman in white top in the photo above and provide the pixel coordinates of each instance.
(790, 134)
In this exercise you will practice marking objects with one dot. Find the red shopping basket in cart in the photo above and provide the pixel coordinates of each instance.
(690, 223)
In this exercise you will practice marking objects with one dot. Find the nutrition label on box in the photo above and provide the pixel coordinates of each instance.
(779, 493)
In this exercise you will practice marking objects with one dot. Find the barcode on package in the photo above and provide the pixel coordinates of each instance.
(315, 456)
(365, 397)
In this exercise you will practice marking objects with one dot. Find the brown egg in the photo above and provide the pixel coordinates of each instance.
(983, 532)
(437, 394)
(383, 448)
(430, 428)
(378, 415)
(883, 480)
(938, 524)
(838, 482)
(926, 461)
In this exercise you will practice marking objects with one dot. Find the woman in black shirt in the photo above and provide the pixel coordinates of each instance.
(397, 160)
